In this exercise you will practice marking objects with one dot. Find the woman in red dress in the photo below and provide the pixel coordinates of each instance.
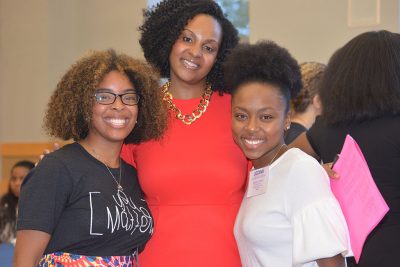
(194, 178)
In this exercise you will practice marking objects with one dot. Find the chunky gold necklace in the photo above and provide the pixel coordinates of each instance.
(197, 113)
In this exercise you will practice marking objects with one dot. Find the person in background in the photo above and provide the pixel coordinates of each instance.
(360, 95)
(194, 178)
(6, 248)
(82, 205)
(291, 218)
(9, 201)
(306, 106)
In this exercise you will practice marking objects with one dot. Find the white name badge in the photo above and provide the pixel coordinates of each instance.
(258, 181)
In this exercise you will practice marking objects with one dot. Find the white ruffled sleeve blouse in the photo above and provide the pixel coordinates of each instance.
(297, 221)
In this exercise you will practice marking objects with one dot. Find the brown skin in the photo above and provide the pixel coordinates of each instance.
(29, 247)
(258, 123)
(336, 261)
(259, 120)
(69, 111)
(103, 141)
(198, 43)
(302, 143)
(107, 125)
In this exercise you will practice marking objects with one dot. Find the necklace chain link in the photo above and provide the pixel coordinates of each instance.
(119, 186)
(120, 176)
(197, 113)
(276, 153)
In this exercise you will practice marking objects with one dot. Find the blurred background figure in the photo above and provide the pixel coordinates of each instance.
(8, 211)
(306, 106)
(9, 201)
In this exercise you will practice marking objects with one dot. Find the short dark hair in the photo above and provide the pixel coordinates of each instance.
(24, 163)
(69, 112)
(165, 22)
(362, 79)
(264, 62)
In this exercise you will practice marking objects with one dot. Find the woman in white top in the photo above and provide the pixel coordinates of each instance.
(289, 216)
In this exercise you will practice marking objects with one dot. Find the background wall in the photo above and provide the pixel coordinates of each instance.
(40, 39)
(314, 29)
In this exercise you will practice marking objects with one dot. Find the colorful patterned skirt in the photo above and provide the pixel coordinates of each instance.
(62, 259)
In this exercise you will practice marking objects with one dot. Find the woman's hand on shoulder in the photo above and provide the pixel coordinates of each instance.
(302, 143)
(56, 146)
(331, 173)
(335, 261)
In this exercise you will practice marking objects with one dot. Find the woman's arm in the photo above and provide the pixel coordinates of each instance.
(335, 261)
(302, 143)
(29, 247)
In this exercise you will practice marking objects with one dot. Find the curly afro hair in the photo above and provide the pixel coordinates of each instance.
(69, 112)
(311, 73)
(264, 62)
(165, 22)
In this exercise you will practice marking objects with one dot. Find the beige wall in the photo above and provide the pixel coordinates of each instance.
(314, 29)
(40, 39)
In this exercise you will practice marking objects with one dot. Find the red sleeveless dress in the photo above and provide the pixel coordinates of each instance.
(193, 180)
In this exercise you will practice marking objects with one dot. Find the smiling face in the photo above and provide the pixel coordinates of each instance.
(114, 122)
(259, 119)
(195, 51)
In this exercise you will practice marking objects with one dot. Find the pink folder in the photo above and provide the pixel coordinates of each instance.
(362, 204)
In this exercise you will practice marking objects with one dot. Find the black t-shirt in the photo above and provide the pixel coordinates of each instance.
(72, 196)
(295, 130)
(379, 140)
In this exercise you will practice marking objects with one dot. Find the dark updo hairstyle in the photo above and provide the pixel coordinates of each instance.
(263, 62)
(69, 112)
(362, 79)
(164, 23)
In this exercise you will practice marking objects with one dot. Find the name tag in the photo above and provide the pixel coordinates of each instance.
(258, 181)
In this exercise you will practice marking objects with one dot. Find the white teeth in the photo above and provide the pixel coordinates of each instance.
(116, 122)
(253, 142)
(189, 64)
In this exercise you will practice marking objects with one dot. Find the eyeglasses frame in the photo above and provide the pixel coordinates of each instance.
(115, 98)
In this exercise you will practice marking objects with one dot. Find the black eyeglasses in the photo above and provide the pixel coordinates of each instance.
(107, 98)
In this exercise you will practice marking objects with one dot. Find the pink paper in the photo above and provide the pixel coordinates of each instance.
(362, 204)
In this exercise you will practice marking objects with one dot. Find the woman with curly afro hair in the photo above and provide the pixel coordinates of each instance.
(194, 178)
(82, 204)
(289, 216)
(360, 94)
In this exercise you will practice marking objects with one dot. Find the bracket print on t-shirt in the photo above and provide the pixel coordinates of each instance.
(124, 214)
